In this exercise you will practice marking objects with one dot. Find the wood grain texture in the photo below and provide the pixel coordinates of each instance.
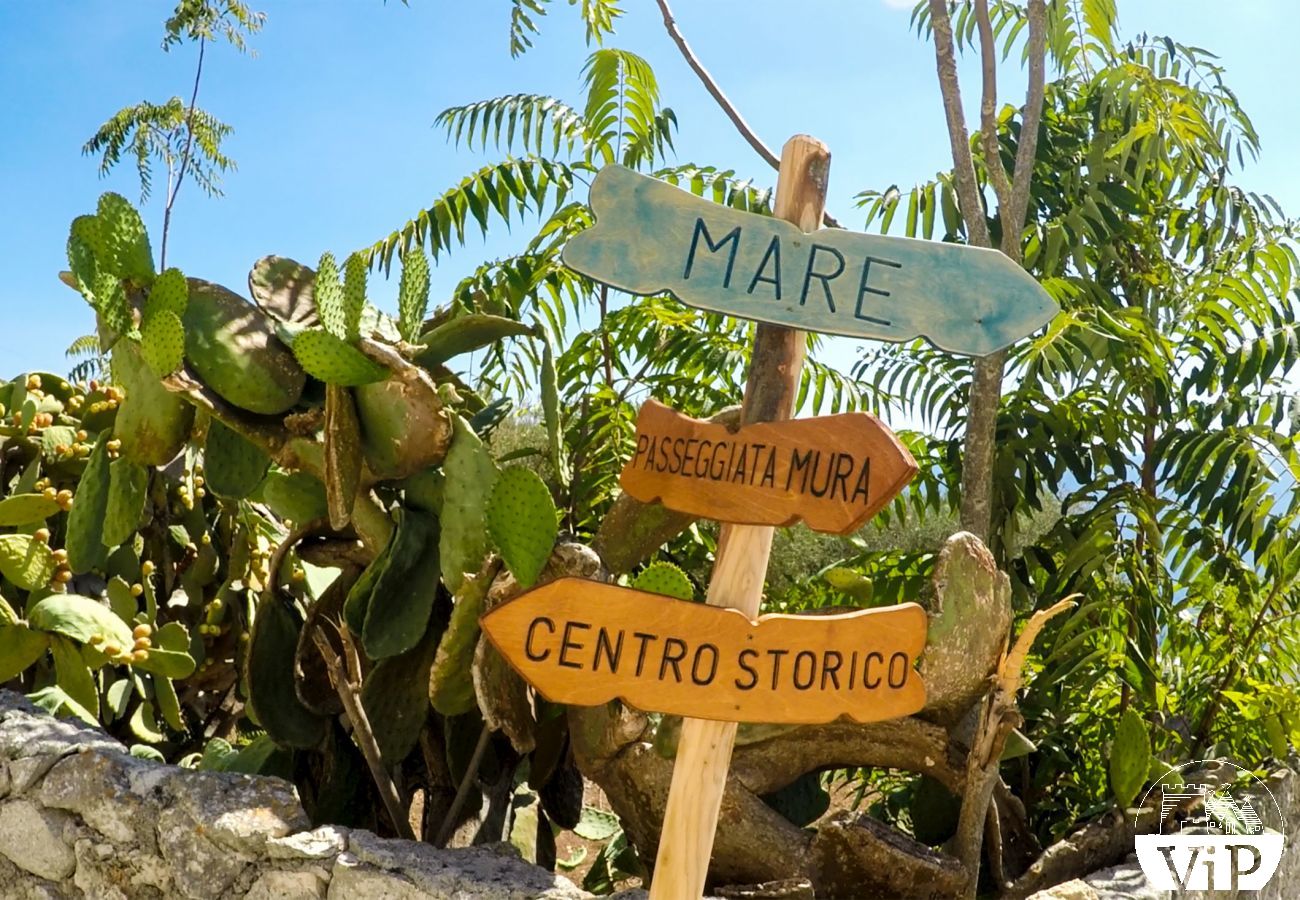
(740, 567)
(652, 237)
(587, 642)
(831, 472)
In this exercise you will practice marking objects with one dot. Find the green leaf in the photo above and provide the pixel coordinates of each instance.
(330, 304)
(354, 295)
(521, 519)
(167, 663)
(1130, 758)
(128, 491)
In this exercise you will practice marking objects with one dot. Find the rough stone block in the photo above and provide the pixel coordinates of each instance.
(32, 838)
(306, 885)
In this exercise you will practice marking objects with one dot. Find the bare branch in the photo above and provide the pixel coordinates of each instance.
(989, 109)
(1030, 120)
(968, 190)
(351, 699)
(710, 85)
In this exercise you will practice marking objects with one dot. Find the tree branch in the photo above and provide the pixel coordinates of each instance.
(174, 189)
(968, 190)
(989, 108)
(710, 85)
(1030, 121)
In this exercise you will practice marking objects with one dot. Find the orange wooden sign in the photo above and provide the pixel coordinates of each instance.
(586, 643)
(833, 472)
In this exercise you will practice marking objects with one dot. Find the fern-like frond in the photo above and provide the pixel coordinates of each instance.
(622, 101)
(539, 123)
(506, 190)
(598, 16)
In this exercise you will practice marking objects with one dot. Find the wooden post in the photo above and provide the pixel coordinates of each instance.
(740, 566)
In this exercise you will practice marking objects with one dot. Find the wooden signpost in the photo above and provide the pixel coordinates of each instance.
(585, 642)
(651, 237)
(832, 472)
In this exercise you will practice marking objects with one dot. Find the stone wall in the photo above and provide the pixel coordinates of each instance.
(81, 817)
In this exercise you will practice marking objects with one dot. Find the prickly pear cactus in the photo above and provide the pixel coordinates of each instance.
(270, 676)
(162, 342)
(354, 296)
(451, 685)
(470, 474)
(330, 304)
(233, 347)
(399, 608)
(233, 465)
(85, 523)
(413, 294)
(665, 578)
(127, 492)
(521, 519)
(126, 252)
(26, 560)
(335, 361)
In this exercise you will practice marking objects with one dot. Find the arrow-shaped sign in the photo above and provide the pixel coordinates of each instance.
(833, 472)
(586, 642)
(651, 237)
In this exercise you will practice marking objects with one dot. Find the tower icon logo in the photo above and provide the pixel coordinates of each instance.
(1217, 831)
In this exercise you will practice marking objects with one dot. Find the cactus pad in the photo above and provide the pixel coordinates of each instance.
(233, 348)
(399, 608)
(285, 289)
(110, 303)
(354, 296)
(395, 699)
(126, 242)
(86, 520)
(665, 578)
(342, 455)
(233, 465)
(451, 684)
(170, 292)
(412, 293)
(470, 474)
(294, 495)
(334, 360)
(26, 561)
(26, 509)
(81, 256)
(162, 342)
(152, 423)
(270, 676)
(521, 520)
(79, 618)
(128, 489)
(330, 305)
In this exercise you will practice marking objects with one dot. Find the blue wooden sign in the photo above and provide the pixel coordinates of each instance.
(651, 237)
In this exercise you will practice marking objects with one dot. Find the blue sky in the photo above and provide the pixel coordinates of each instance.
(333, 117)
